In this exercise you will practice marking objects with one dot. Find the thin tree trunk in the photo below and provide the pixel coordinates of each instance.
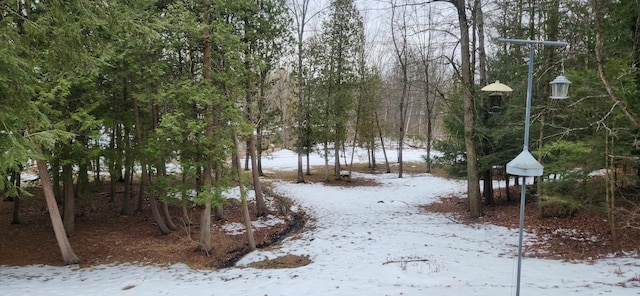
(167, 216)
(143, 174)
(300, 13)
(384, 150)
(155, 212)
(68, 255)
(126, 195)
(55, 174)
(15, 180)
(243, 199)
(204, 243)
(308, 165)
(260, 203)
(112, 169)
(611, 193)
(69, 202)
(402, 56)
(595, 7)
(185, 202)
(16, 210)
(251, 146)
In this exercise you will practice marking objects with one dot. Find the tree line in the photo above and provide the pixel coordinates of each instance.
(127, 87)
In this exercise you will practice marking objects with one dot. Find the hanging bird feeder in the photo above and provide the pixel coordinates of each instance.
(495, 98)
(560, 88)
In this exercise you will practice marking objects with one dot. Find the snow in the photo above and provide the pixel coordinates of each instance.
(363, 241)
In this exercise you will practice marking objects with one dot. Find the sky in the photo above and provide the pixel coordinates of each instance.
(361, 241)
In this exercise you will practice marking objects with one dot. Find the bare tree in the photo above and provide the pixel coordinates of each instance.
(399, 36)
(300, 10)
(465, 72)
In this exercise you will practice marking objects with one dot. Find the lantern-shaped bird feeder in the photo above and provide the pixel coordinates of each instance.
(495, 98)
(560, 87)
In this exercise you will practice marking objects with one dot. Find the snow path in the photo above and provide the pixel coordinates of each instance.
(362, 241)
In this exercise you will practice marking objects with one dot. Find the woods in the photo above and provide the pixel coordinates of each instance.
(111, 91)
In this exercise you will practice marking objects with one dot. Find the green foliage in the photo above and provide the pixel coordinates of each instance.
(570, 158)
(453, 157)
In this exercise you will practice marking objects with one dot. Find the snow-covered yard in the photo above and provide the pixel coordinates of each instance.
(362, 241)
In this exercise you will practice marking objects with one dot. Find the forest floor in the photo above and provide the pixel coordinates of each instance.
(103, 236)
(583, 236)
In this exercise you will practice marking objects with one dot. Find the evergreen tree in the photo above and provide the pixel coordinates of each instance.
(341, 34)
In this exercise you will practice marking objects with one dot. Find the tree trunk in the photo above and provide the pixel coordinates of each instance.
(610, 200)
(473, 185)
(488, 187)
(55, 174)
(260, 203)
(167, 216)
(16, 210)
(155, 213)
(68, 255)
(300, 13)
(204, 243)
(401, 55)
(112, 166)
(15, 180)
(251, 144)
(126, 195)
(243, 199)
(69, 202)
(247, 157)
(143, 174)
(308, 164)
(384, 150)
(595, 7)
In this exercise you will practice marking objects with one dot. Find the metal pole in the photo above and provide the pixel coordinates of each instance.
(521, 230)
(523, 190)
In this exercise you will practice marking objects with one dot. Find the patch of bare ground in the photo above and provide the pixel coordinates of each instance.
(582, 237)
(317, 174)
(103, 236)
(286, 261)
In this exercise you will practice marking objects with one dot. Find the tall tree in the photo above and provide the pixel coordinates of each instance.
(263, 26)
(300, 11)
(342, 37)
(400, 25)
(52, 46)
(465, 71)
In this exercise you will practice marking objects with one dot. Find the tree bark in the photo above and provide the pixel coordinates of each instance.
(243, 198)
(595, 7)
(69, 202)
(143, 174)
(15, 180)
(204, 243)
(473, 186)
(300, 13)
(251, 147)
(155, 212)
(68, 255)
(384, 150)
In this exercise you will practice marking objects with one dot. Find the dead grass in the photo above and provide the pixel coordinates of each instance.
(286, 261)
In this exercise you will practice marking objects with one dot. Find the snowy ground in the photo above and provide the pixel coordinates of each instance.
(363, 241)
